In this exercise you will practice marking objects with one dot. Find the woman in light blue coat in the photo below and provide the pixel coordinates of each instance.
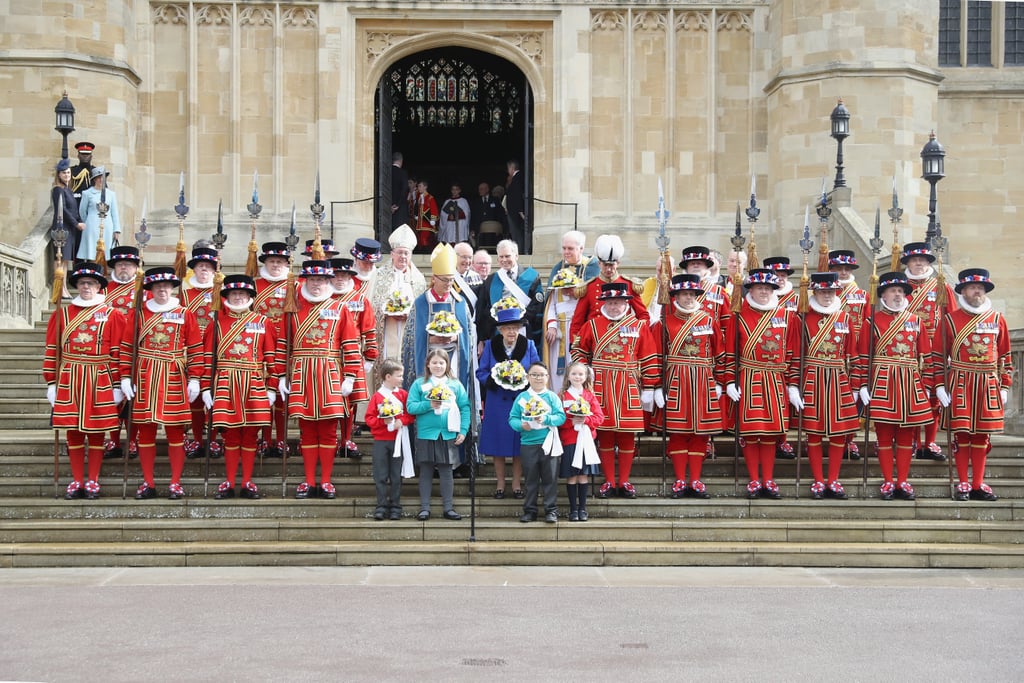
(89, 210)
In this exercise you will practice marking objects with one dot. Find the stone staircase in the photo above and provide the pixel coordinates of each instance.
(39, 528)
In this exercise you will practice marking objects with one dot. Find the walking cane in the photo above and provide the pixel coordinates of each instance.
(737, 240)
(942, 301)
(805, 246)
(664, 278)
(132, 370)
(291, 307)
(59, 236)
(210, 435)
(876, 248)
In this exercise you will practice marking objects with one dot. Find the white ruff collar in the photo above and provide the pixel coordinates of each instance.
(265, 274)
(366, 276)
(153, 307)
(785, 288)
(240, 308)
(772, 304)
(616, 318)
(928, 272)
(315, 299)
(906, 302)
(113, 278)
(195, 285)
(687, 311)
(350, 286)
(985, 307)
(846, 281)
(95, 301)
(825, 310)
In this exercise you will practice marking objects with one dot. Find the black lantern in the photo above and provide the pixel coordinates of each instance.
(65, 112)
(840, 131)
(933, 169)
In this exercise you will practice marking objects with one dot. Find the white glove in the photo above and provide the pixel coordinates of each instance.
(192, 390)
(347, 386)
(118, 396)
(718, 391)
(1005, 395)
(865, 397)
(271, 397)
(794, 397)
(647, 400)
(283, 387)
(127, 389)
(393, 426)
(51, 394)
(733, 392)
(659, 397)
(207, 399)
(943, 396)
(368, 368)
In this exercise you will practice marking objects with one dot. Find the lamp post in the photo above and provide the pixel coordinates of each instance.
(933, 169)
(840, 118)
(65, 112)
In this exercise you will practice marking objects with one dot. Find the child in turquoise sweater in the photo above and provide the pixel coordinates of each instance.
(441, 406)
(536, 414)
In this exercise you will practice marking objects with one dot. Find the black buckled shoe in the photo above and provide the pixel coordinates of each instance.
(983, 493)
(74, 491)
(224, 491)
(904, 491)
(145, 492)
(303, 491)
(175, 492)
(784, 451)
(452, 515)
(327, 491)
(249, 491)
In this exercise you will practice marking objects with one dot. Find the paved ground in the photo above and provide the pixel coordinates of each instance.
(522, 623)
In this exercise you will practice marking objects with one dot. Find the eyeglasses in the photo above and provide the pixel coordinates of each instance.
(538, 375)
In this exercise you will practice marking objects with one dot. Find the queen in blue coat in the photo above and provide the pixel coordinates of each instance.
(497, 438)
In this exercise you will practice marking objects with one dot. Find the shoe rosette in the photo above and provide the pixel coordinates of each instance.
(444, 324)
(510, 375)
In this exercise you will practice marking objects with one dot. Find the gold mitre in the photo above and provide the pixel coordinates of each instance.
(443, 260)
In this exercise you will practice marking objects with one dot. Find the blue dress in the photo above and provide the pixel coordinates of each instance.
(497, 438)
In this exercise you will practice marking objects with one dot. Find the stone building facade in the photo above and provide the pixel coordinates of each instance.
(602, 99)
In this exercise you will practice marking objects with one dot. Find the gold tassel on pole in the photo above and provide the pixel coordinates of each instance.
(180, 257)
(803, 302)
(218, 283)
(57, 289)
(101, 253)
(252, 267)
(895, 215)
(291, 300)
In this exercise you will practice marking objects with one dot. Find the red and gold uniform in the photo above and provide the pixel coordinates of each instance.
(829, 414)
(365, 322)
(973, 349)
(898, 389)
(426, 213)
(924, 303)
(691, 412)
(198, 301)
(625, 363)
(271, 293)
(121, 296)
(324, 360)
(588, 304)
(81, 363)
(245, 344)
(766, 339)
(854, 301)
(169, 355)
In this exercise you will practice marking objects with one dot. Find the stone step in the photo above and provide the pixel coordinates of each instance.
(506, 553)
(998, 469)
(23, 361)
(31, 406)
(12, 420)
(408, 529)
(13, 390)
(111, 506)
(32, 375)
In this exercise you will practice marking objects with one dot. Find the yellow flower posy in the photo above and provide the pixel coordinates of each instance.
(440, 392)
(389, 408)
(444, 324)
(509, 374)
(579, 408)
(566, 278)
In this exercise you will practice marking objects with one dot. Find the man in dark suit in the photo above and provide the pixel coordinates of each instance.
(399, 189)
(515, 204)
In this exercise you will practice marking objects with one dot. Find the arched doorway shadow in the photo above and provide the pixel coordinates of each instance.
(457, 115)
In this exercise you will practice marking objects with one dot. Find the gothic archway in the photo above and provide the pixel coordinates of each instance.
(457, 115)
